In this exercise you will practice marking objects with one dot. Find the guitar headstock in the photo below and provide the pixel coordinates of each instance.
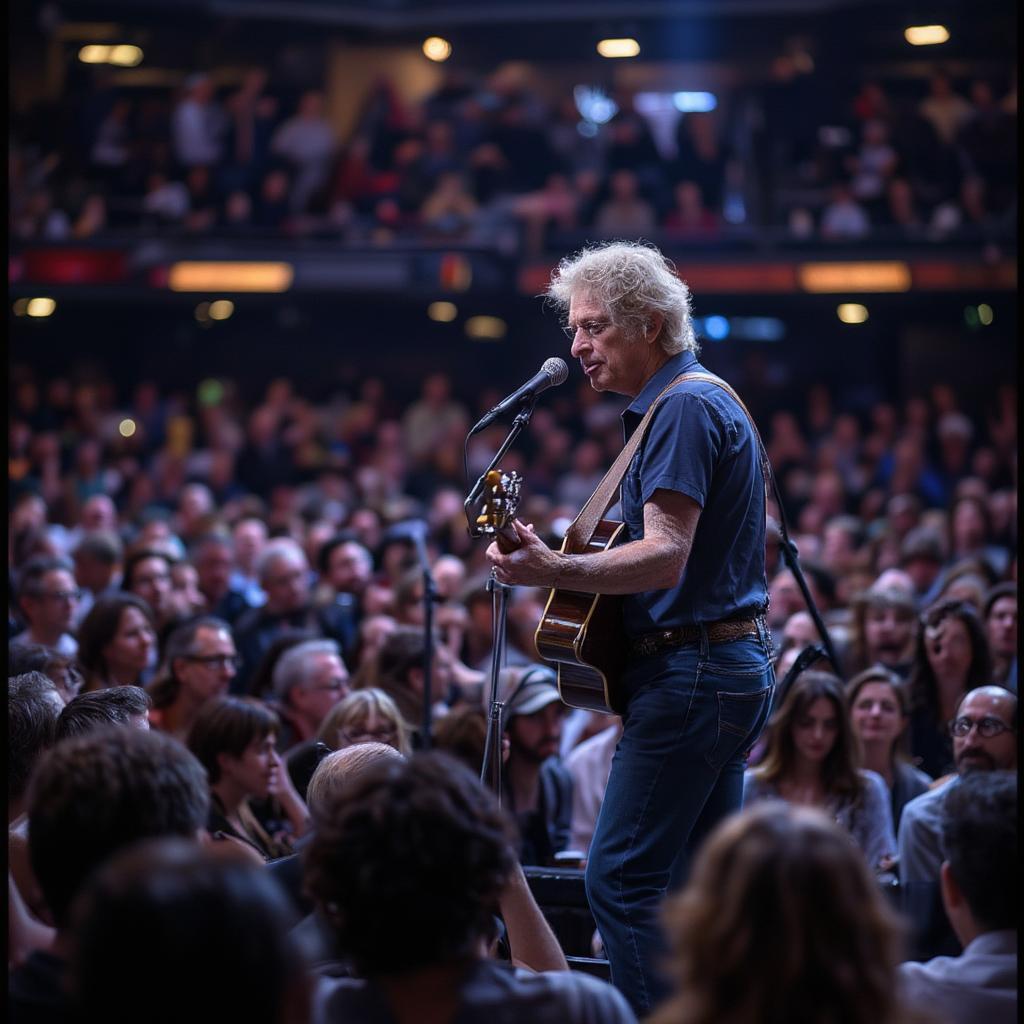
(501, 504)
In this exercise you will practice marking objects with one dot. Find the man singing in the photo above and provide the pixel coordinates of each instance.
(698, 684)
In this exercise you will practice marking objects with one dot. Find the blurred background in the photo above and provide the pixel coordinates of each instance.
(247, 237)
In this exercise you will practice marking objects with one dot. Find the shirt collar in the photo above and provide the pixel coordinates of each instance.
(680, 363)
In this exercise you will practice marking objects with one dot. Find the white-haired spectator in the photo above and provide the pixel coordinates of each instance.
(308, 680)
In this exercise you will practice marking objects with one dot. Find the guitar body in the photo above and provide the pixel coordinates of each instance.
(583, 635)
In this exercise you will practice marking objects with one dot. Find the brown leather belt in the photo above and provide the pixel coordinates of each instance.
(718, 633)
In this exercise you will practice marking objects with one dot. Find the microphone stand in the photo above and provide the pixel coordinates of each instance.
(429, 599)
(490, 770)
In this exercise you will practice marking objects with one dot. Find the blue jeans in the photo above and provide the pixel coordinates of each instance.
(693, 713)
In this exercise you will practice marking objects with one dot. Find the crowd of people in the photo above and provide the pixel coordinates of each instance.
(489, 160)
(258, 641)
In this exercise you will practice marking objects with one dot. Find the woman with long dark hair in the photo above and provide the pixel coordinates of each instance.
(116, 642)
(812, 760)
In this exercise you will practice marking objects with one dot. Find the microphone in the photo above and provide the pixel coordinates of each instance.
(554, 371)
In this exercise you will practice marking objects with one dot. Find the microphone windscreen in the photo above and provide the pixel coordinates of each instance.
(556, 369)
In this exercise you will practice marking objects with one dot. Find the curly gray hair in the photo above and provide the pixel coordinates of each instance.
(632, 281)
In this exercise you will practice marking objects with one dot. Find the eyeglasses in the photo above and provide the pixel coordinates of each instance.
(61, 595)
(987, 727)
(593, 329)
(351, 737)
(334, 686)
(231, 661)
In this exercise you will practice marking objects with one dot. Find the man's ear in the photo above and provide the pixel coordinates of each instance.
(653, 329)
(952, 896)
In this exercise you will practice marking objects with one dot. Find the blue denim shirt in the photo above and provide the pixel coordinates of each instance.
(698, 443)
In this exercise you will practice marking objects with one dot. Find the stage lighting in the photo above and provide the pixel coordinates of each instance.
(442, 312)
(40, 307)
(486, 328)
(926, 35)
(437, 49)
(125, 56)
(221, 309)
(126, 428)
(201, 276)
(618, 47)
(852, 312)
(985, 314)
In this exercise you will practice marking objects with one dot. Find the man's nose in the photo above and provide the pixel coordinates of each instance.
(578, 343)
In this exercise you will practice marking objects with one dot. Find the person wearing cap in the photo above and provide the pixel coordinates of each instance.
(538, 786)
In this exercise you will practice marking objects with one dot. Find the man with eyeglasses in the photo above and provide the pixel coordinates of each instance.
(698, 680)
(48, 596)
(309, 679)
(984, 731)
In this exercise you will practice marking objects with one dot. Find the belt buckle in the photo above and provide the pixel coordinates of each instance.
(646, 645)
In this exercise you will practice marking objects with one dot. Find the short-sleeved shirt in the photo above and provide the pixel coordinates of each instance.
(490, 993)
(701, 444)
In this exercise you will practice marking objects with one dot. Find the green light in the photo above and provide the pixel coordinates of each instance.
(210, 391)
(971, 316)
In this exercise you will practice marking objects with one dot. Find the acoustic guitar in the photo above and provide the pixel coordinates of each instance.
(581, 633)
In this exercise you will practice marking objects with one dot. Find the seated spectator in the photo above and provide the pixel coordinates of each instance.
(950, 658)
(879, 715)
(306, 141)
(219, 929)
(363, 716)
(199, 663)
(116, 705)
(625, 211)
(117, 642)
(537, 785)
(837, 956)
(47, 598)
(233, 738)
(309, 679)
(422, 842)
(336, 768)
(946, 110)
(450, 210)
(198, 124)
(978, 880)
(97, 558)
(61, 669)
(147, 574)
(463, 735)
(689, 216)
(213, 556)
(1000, 615)
(922, 556)
(811, 760)
(284, 576)
(843, 218)
(94, 795)
(883, 631)
(984, 734)
(188, 599)
(346, 568)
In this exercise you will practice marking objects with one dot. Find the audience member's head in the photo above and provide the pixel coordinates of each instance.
(999, 612)
(365, 716)
(310, 678)
(231, 737)
(340, 767)
(95, 794)
(534, 713)
(419, 842)
(47, 597)
(984, 730)
(884, 623)
(171, 928)
(97, 558)
(979, 843)
(116, 640)
(116, 705)
(951, 652)
(781, 921)
(33, 705)
(811, 729)
(284, 575)
(199, 663)
(61, 668)
(147, 573)
(879, 707)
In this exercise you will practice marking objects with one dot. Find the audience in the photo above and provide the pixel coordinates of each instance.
(116, 705)
(978, 881)
(422, 843)
(879, 715)
(781, 920)
(117, 642)
(811, 760)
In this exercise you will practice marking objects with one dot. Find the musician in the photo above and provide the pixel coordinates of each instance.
(698, 684)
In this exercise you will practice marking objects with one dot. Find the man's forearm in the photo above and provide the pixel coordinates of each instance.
(531, 941)
(640, 565)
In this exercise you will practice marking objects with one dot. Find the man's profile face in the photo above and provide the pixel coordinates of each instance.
(986, 753)
(611, 361)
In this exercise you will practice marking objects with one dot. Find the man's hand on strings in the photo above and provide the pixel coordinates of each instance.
(532, 564)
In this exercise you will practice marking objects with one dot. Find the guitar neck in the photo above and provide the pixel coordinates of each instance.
(507, 539)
